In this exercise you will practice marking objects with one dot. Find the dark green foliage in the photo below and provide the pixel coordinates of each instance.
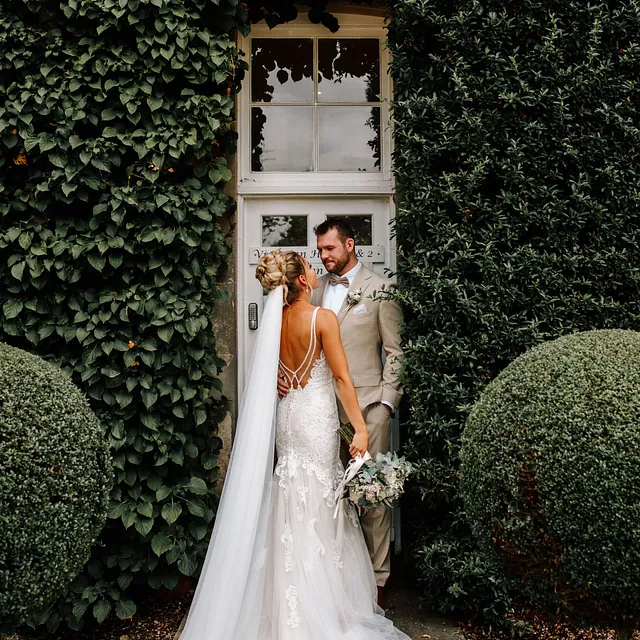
(517, 152)
(275, 12)
(115, 121)
(550, 474)
(55, 478)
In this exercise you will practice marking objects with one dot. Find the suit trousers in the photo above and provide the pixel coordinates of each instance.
(376, 523)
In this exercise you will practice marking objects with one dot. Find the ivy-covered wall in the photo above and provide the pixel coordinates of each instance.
(116, 131)
(115, 125)
(517, 157)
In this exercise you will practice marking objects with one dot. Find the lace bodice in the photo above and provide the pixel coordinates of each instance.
(307, 431)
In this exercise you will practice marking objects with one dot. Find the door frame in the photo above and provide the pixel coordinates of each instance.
(292, 186)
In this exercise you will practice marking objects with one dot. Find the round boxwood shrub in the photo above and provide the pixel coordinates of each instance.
(55, 477)
(550, 474)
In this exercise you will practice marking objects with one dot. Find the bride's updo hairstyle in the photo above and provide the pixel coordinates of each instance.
(281, 268)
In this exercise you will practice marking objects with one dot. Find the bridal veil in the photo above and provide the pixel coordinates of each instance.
(229, 592)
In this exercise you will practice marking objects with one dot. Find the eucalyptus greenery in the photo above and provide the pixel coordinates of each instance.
(550, 474)
(55, 478)
(115, 128)
(517, 147)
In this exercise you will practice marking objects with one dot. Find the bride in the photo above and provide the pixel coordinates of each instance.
(285, 560)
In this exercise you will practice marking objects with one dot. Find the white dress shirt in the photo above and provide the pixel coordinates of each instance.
(334, 296)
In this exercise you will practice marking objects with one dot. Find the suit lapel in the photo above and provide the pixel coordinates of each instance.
(361, 281)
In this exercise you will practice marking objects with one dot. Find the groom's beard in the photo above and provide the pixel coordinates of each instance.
(338, 265)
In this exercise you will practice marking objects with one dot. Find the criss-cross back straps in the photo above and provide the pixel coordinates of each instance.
(295, 378)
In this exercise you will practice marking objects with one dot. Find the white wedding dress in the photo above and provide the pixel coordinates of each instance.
(305, 575)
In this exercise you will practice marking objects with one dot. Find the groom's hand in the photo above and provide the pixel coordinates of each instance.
(283, 385)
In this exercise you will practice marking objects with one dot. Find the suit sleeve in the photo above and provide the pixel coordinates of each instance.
(389, 323)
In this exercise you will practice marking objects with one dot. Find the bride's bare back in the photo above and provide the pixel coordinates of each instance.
(299, 349)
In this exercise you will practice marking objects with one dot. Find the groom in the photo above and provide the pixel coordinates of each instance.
(367, 327)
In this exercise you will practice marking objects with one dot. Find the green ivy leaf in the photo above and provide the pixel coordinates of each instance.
(171, 512)
(17, 270)
(144, 525)
(209, 460)
(125, 608)
(197, 486)
(11, 308)
(46, 144)
(145, 509)
(187, 564)
(197, 508)
(124, 580)
(79, 608)
(149, 397)
(109, 114)
(161, 543)
(97, 262)
(165, 333)
(101, 610)
(117, 509)
(198, 530)
(154, 102)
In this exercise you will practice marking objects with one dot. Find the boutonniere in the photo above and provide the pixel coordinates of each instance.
(353, 297)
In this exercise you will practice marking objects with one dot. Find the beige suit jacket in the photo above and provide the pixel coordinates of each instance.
(367, 328)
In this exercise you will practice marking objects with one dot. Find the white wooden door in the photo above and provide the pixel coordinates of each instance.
(288, 223)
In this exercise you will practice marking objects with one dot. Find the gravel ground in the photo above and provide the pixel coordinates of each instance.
(542, 628)
(159, 620)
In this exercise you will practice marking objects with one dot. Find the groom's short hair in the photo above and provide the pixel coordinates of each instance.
(344, 229)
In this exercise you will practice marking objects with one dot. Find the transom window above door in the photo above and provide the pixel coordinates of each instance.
(313, 109)
(315, 104)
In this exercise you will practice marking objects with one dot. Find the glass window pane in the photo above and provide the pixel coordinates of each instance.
(284, 231)
(349, 138)
(282, 70)
(282, 139)
(361, 229)
(348, 70)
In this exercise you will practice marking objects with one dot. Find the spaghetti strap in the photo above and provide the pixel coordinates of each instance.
(295, 377)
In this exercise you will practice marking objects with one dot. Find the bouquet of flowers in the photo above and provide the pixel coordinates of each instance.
(376, 481)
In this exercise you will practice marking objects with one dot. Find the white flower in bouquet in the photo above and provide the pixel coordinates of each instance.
(378, 481)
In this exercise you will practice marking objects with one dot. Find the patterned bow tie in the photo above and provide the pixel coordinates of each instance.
(335, 279)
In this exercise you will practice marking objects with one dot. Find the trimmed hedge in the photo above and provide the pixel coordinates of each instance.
(115, 122)
(550, 474)
(55, 478)
(516, 159)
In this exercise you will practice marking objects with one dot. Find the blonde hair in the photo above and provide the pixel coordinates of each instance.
(281, 268)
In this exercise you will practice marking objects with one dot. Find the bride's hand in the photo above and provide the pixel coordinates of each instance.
(359, 444)
(283, 385)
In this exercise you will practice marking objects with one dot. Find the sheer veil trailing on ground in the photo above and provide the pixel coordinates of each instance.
(229, 593)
